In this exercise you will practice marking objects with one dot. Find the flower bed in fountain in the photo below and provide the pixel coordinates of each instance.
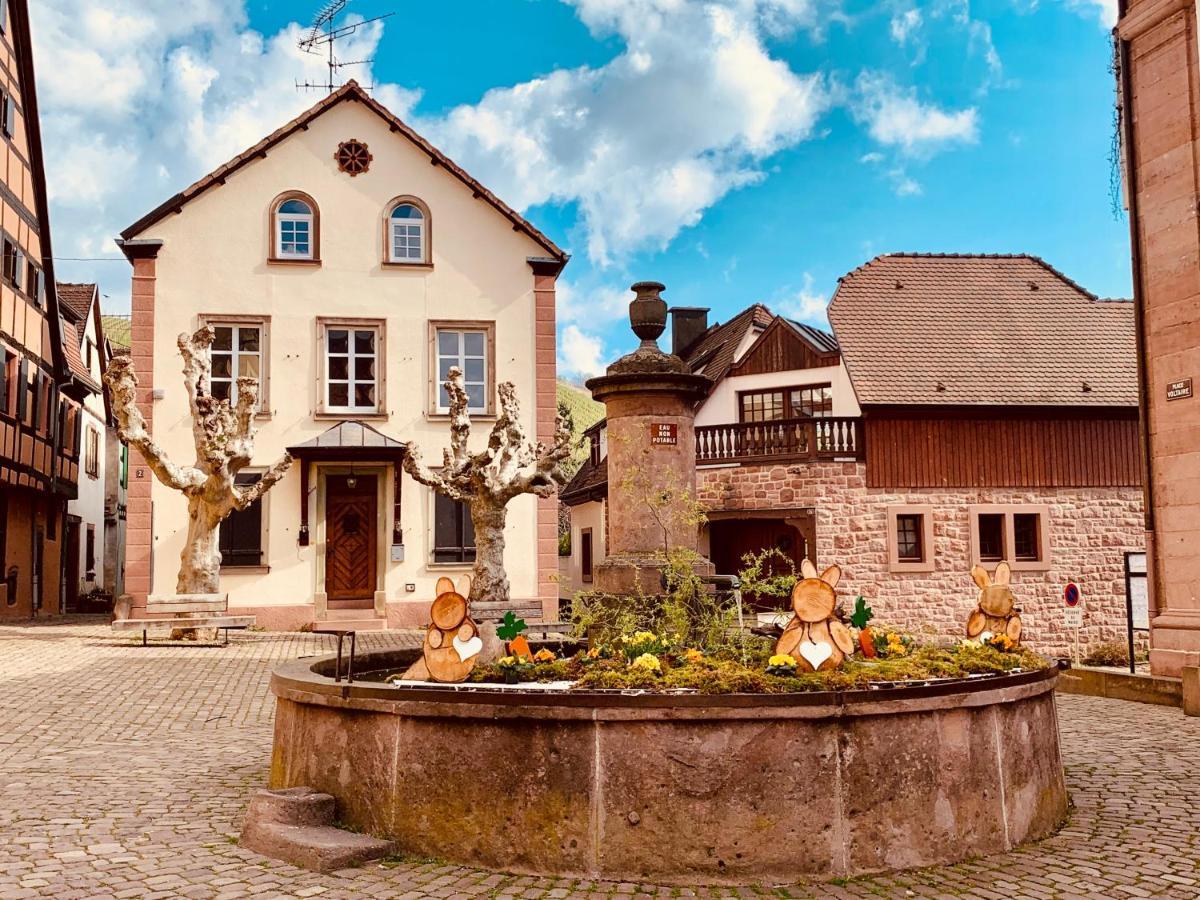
(649, 662)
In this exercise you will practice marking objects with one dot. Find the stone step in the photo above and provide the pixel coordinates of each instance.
(293, 825)
(357, 614)
(291, 806)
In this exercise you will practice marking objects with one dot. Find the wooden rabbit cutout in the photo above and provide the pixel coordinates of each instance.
(814, 637)
(995, 613)
(452, 642)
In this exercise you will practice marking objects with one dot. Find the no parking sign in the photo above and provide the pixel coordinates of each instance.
(1072, 610)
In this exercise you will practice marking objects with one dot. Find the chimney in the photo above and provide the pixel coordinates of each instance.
(687, 324)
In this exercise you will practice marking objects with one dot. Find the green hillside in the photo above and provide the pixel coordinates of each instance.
(584, 412)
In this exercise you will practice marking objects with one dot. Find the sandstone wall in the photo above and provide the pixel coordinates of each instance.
(1090, 530)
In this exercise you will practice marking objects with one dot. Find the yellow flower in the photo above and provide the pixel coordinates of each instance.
(593, 653)
(781, 659)
(644, 637)
(507, 661)
(693, 655)
(543, 655)
(647, 661)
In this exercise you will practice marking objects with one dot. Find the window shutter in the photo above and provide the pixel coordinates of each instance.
(22, 389)
(240, 539)
(4, 358)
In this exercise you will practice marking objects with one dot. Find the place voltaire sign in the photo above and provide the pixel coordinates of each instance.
(1179, 390)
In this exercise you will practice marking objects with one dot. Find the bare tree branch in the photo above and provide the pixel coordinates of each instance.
(196, 350)
(508, 466)
(224, 439)
(245, 497)
(131, 428)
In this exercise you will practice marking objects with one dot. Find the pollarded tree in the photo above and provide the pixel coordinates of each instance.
(223, 432)
(510, 465)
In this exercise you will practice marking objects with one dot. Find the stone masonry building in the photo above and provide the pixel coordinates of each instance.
(970, 409)
(1158, 80)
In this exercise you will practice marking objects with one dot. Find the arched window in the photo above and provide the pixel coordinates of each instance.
(295, 228)
(407, 232)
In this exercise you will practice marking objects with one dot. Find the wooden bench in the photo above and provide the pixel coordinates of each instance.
(178, 604)
(158, 626)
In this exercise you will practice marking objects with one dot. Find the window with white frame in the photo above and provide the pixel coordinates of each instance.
(351, 368)
(467, 349)
(406, 234)
(237, 351)
(294, 230)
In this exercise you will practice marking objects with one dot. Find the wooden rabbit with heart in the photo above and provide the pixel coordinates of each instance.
(452, 642)
(995, 613)
(815, 638)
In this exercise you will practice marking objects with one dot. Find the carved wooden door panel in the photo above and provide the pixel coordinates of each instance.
(351, 521)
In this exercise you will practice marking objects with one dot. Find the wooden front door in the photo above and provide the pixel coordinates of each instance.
(351, 514)
(731, 539)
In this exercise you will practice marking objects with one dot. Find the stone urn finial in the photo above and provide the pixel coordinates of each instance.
(648, 312)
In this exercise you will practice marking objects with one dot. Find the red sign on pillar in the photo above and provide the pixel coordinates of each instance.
(664, 433)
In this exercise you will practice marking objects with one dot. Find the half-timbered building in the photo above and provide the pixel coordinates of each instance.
(40, 389)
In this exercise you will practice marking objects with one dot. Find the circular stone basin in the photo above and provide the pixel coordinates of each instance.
(682, 788)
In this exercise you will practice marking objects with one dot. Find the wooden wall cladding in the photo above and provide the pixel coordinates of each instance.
(1027, 452)
(780, 349)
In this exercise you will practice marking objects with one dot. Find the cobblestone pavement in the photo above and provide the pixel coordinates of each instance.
(124, 772)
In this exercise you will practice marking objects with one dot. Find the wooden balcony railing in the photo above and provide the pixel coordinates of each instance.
(780, 440)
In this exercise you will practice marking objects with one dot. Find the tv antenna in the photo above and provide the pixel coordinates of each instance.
(323, 37)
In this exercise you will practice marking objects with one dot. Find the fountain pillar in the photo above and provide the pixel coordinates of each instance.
(650, 400)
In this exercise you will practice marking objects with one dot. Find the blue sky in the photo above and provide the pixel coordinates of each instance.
(737, 150)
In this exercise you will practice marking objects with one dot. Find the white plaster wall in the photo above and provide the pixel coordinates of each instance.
(213, 261)
(721, 407)
(89, 505)
(586, 515)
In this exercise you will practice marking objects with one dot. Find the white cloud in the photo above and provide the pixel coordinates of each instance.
(141, 97)
(1104, 10)
(579, 354)
(895, 117)
(594, 306)
(646, 143)
(806, 304)
(903, 184)
(904, 24)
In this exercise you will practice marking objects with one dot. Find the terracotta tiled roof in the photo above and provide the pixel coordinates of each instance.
(76, 299)
(715, 349)
(986, 329)
(71, 345)
(350, 91)
(587, 481)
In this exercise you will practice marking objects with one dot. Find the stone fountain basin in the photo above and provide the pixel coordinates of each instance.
(688, 789)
